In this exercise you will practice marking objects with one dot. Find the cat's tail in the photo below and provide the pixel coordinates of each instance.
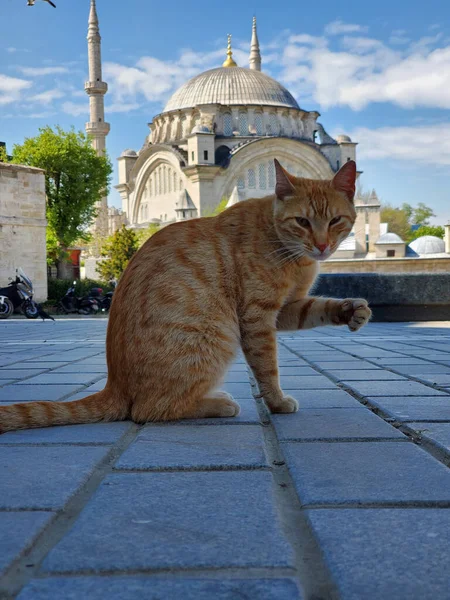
(101, 406)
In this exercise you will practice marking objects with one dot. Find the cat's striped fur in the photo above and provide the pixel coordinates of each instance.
(199, 289)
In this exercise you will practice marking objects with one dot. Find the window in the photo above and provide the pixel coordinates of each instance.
(338, 164)
(241, 183)
(174, 182)
(271, 171)
(390, 253)
(165, 179)
(193, 156)
(273, 124)
(251, 178)
(243, 123)
(259, 124)
(262, 176)
(205, 154)
(227, 125)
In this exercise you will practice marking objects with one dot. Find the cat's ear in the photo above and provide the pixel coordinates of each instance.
(345, 178)
(284, 186)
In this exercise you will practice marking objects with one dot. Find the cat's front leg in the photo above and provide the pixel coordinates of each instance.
(260, 348)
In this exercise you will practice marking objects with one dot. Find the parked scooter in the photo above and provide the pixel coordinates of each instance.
(71, 303)
(104, 300)
(18, 294)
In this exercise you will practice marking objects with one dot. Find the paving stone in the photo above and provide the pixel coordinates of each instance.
(44, 477)
(358, 473)
(158, 588)
(31, 393)
(237, 377)
(98, 386)
(401, 360)
(161, 447)
(311, 399)
(426, 369)
(93, 433)
(298, 382)
(44, 365)
(18, 373)
(327, 356)
(393, 388)
(355, 364)
(18, 532)
(377, 375)
(437, 433)
(334, 424)
(77, 368)
(414, 408)
(389, 553)
(237, 390)
(441, 379)
(60, 378)
(175, 520)
(297, 370)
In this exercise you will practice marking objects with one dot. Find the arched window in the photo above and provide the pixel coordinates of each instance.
(243, 123)
(262, 176)
(273, 123)
(227, 125)
(241, 183)
(271, 172)
(164, 180)
(259, 124)
(251, 178)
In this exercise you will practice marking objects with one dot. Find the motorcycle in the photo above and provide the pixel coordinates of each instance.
(70, 303)
(18, 294)
(104, 301)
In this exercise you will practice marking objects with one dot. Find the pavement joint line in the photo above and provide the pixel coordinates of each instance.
(425, 445)
(18, 574)
(314, 577)
(443, 505)
(196, 469)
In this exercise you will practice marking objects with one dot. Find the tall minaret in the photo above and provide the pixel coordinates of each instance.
(96, 89)
(255, 54)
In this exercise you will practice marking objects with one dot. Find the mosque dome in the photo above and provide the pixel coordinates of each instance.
(129, 152)
(428, 244)
(343, 139)
(389, 238)
(231, 86)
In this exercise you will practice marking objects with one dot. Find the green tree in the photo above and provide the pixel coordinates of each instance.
(117, 251)
(144, 234)
(397, 219)
(75, 180)
(3, 155)
(438, 231)
(422, 214)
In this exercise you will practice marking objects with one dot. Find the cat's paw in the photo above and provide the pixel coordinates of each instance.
(356, 313)
(287, 405)
(226, 405)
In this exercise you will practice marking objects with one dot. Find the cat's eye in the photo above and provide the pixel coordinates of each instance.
(335, 220)
(303, 222)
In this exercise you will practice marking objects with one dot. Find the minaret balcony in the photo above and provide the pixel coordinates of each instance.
(96, 128)
(96, 87)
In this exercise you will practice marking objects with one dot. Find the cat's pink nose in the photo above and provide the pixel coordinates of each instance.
(322, 247)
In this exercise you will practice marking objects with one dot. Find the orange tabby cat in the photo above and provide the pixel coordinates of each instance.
(199, 289)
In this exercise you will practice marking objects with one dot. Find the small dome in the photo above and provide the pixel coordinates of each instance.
(201, 129)
(389, 238)
(231, 86)
(428, 244)
(129, 152)
(343, 138)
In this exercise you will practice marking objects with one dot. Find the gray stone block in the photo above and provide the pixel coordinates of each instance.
(297, 370)
(237, 390)
(98, 386)
(18, 373)
(415, 370)
(42, 364)
(299, 382)
(358, 473)
(31, 393)
(18, 532)
(401, 360)
(61, 378)
(161, 447)
(377, 375)
(312, 399)
(237, 377)
(436, 433)
(354, 365)
(440, 379)
(393, 388)
(44, 477)
(138, 521)
(388, 553)
(93, 433)
(77, 368)
(414, 408)
(158, 588)
(334, 424)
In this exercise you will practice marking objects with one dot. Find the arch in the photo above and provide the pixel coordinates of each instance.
(222, 155)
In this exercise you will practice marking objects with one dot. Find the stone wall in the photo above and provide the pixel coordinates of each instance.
(23, 225)
(387, 265)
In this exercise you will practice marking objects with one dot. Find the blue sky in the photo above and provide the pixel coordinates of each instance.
(379, 72)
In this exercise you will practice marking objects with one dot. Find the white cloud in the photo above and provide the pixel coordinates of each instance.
(11, 50)
(339, 27)
(71, 108)
(47, 97)
(11, 88)
(38, 71)
(121, 107)
(424, 144)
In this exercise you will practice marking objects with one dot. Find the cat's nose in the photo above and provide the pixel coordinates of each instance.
(322, 247)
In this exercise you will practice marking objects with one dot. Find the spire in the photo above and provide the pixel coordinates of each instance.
(229, 62)
(255, 54)
(93, 29)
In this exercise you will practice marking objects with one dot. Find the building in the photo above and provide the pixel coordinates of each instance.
(23, 225)
(217, 137)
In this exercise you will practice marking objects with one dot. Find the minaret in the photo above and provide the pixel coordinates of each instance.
(255, 54)
(97, 129)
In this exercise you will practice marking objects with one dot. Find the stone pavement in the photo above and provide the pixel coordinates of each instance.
(349, 498)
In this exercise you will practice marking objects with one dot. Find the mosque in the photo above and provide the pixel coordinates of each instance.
(215, 142)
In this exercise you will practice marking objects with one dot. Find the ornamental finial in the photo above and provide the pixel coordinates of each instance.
(229, 62)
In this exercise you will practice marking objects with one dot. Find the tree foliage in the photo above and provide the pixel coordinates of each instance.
(401, 220)
(437, 231)
(117, 251)
(144, 234)
(75, 180)
(397, 220)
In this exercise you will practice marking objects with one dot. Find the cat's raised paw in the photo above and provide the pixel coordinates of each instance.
(356, 313)
(287, 405)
